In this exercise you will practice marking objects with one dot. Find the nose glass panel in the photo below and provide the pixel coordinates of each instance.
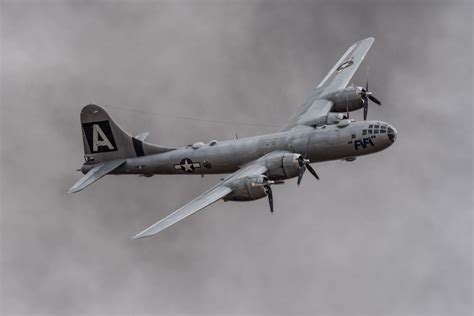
(392, 134)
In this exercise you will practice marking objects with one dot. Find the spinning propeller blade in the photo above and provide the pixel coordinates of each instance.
(270, 197)
(304, 164)
(312, 171)
(366, 96)
(374, 99)
(302, 170)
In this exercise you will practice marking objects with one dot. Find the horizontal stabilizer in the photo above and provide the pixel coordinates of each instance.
(142, 136)
(95, 174)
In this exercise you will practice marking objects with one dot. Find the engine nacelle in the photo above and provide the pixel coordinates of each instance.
(248, 189)
(282, 165)
(346, 99)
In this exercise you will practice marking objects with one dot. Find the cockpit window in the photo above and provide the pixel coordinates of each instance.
(370, 126)
(376, 126)
(370, 131)
(364, 132)
(376, 131)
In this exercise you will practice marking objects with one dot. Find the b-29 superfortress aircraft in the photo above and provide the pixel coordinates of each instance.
(320, 131)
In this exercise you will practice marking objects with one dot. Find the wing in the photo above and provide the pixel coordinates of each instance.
(342, 72)
(205, 199)
(337, 78)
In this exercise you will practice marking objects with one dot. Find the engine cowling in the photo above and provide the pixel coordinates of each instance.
(346, 99)
(283, 165)
(248, 189)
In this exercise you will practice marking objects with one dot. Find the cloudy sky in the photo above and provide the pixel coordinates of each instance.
(388, 234)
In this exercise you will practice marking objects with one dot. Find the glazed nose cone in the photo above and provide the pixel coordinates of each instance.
(392, 134)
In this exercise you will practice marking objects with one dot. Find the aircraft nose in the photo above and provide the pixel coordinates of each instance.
(392, 133)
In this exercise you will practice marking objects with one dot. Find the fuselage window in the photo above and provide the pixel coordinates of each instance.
(353, 135)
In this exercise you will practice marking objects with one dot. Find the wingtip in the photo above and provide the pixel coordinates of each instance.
(369, 39)
(73, 190)
(143, 234)
(139, 236)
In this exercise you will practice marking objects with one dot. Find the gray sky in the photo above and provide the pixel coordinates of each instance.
(388, 234)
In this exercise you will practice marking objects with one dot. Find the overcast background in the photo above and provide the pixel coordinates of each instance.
(388, 234)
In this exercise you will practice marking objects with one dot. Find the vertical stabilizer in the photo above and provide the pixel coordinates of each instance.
(104, 140)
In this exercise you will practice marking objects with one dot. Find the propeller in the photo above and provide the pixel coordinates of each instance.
(304, 164)
(366, 96)
(267, 186)
(268, 189)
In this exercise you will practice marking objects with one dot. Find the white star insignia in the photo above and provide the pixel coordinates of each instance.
(188, 166)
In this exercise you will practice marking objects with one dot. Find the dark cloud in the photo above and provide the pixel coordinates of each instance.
(387, 234)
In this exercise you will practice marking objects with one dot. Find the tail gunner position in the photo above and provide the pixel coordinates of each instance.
(320, 131)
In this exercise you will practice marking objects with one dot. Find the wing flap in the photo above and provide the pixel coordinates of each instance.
(205, 199)
(95, 174)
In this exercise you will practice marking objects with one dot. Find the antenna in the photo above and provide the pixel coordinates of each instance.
(347, 107)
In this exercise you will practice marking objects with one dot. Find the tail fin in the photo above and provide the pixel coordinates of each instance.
(104, 140)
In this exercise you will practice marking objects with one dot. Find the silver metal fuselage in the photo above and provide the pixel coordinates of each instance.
(324, 143)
